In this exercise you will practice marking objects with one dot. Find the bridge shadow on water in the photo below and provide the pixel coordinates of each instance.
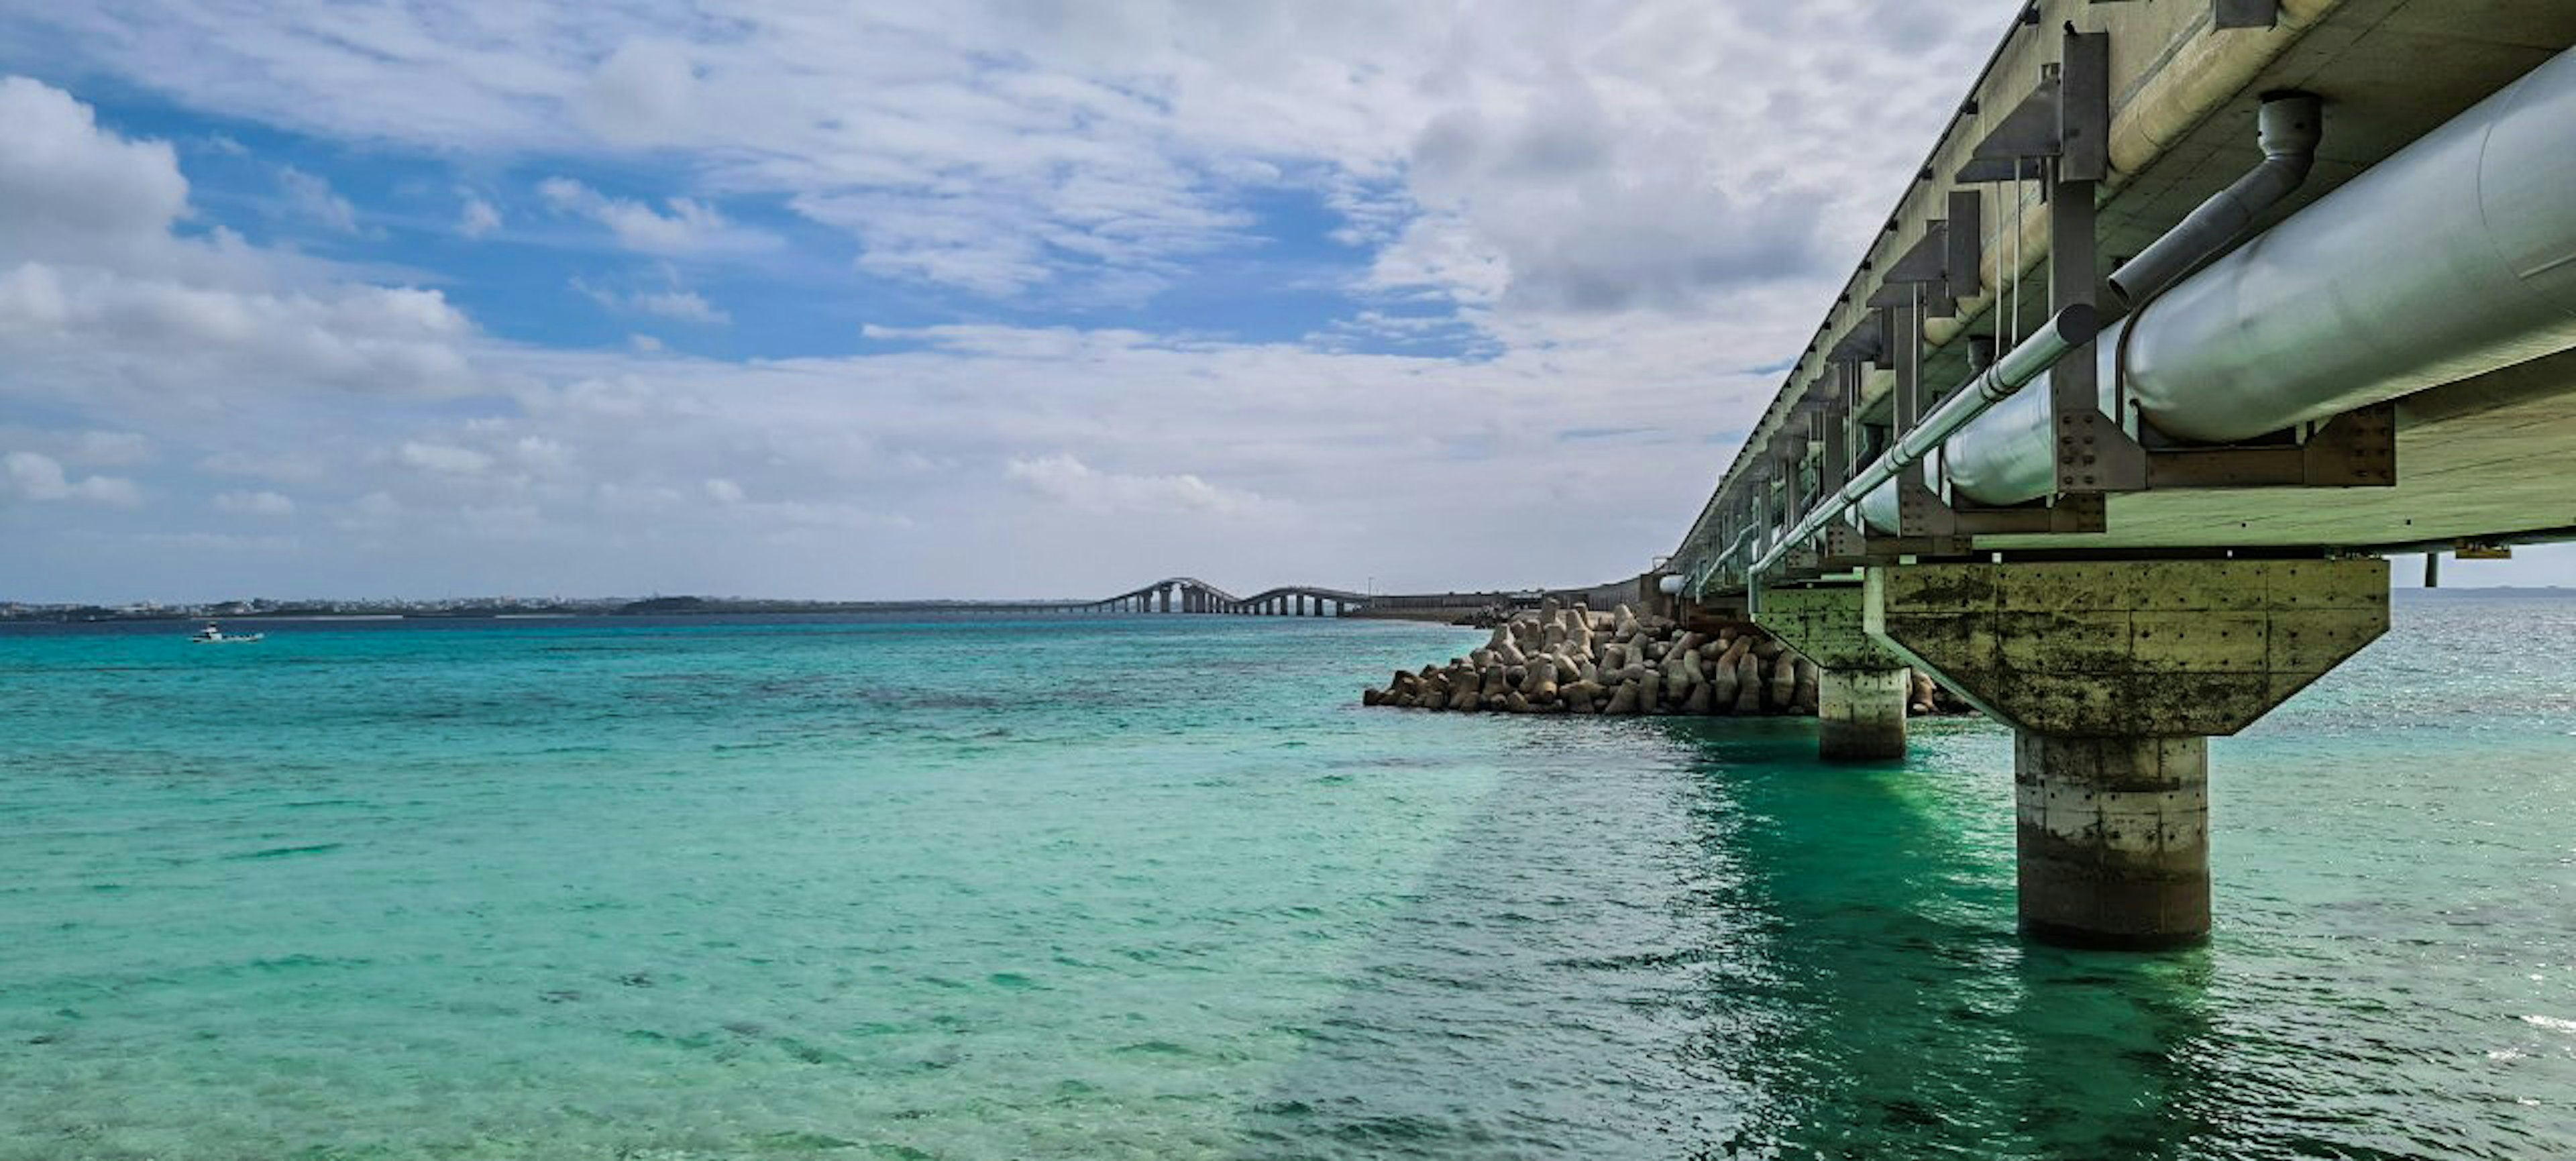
(1687, 938)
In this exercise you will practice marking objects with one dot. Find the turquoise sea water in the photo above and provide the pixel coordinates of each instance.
(1158, 887)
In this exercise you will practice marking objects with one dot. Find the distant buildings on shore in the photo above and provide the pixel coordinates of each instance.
(265, 607)
(257, 607)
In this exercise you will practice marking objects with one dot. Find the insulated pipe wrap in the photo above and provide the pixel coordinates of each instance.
(2454, 257)
(2290, 126)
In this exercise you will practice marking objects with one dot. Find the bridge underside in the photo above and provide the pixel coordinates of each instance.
(2475, 458)
(2107, 632)
(2480, 459)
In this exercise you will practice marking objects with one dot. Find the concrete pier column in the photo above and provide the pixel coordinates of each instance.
(1860, 713)
(2116, 676)
(2112, 839)
(1861, 686)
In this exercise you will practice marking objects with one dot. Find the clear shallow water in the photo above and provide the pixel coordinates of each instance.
(1158, 888)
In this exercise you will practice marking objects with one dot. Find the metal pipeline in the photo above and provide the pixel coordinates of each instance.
(2454, 257)
(2288, 128)
(2069, 329)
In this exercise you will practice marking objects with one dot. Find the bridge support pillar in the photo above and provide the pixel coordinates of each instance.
(2116, 676)
(1862, 686)
(1860, 714)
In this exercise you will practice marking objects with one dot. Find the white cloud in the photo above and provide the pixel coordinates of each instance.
(264, 504)
(643, 94)
(81, 448)
(110, 448)
(673, 302)
(61, 174)
(478, 217)
(296, 467)
(443, 459)
(1653, 154)
(312, 197)
(1063, 479)
(690, 227)
(99, 297)
(30, 476)
(373, 512)
(1617, 201)
(541, 454)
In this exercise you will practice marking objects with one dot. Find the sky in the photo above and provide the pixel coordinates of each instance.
(986, 298)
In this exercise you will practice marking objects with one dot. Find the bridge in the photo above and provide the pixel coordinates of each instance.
(1190, 595)
(2193, 316)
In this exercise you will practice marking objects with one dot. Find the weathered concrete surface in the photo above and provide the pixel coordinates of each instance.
(2113, 839)
(1862, 691)
(1825, 626)
(1860, 714)
(2116, 675)
(2133, 649)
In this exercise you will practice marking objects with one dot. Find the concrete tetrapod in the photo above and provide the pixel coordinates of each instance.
(1653, 666)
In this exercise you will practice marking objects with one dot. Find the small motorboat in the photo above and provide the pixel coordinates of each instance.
(213, 634)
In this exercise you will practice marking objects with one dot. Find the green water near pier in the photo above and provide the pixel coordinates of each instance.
(1158, 887)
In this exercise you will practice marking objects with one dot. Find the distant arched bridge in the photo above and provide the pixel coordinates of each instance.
(1190, 595)
(1186, 594)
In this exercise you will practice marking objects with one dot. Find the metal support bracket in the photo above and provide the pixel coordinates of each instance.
(2357, 449)
(1845, 549)
(1923, 512)
(2029, 131)
(1963, 265)
(2094, 452)
(2237, 13)
(1923, 269)
(1865, 342)
(2245, 13)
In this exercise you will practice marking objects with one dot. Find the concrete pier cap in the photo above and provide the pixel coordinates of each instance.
(1861, 686)
(2115, 675)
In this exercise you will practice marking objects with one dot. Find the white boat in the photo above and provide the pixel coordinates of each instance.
(213, 634)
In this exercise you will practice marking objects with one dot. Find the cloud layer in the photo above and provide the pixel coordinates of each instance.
(1536, 245)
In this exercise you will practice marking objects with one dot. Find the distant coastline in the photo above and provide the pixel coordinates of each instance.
(480, 608)
(506, 608)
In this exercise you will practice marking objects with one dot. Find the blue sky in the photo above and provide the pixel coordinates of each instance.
(1006, 298)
